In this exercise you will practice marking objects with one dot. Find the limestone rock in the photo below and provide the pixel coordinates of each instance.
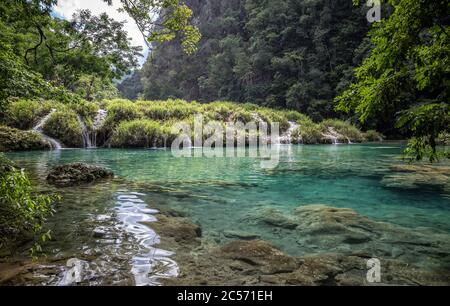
(76, 173)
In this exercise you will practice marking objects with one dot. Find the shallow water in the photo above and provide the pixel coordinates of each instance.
(225, 194)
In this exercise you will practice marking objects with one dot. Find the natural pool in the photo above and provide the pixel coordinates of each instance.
(226, 196)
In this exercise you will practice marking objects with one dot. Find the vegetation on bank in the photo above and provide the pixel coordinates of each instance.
(12, 139)
(144, 124)
(22, 210)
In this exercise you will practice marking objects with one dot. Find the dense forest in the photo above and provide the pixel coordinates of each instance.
(288, 54)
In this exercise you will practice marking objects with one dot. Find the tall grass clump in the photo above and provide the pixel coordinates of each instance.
(12, 139)
(140, 133)
(347, 130)
(64, 125)
(170, 109)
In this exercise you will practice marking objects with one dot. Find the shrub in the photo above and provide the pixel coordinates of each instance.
(308, 133)
(12, 139)
(86, 109)
(141, 133)
(22, 114)
(348, 131)
(64, 125)
(373, 135)
(122, 110)
(165, 110)
(22, 210)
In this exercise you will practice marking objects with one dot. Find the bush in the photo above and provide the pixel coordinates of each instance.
(308, 132)
(141, 133)
(348, 131)
(12, 139)
(64, 125)
(373, 135)
(22, 210)
(87, 110)
(22, 114)
(165, 110)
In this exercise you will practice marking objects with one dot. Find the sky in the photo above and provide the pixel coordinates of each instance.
(66, 8)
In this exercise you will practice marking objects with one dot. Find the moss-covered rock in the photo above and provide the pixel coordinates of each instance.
(64, 125)
(12, 139)
(77, 173)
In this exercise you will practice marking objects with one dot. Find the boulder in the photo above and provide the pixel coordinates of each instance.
(76, 173)
(259, 253)
(179, 229)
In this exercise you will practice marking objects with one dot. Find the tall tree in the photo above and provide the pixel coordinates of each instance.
(406, 76)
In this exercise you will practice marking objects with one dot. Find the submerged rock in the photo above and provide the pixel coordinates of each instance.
(176, 228)
(410, 176)
(240, 235)
(259, 263)
(76, 173)
(275, 218)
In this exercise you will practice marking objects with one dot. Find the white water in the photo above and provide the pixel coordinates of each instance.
(332, 135)
(287, 137)
(84, 131)
(99, 120)
(39, 129)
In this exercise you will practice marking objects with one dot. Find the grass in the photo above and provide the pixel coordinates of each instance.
(139, 133)
(64, 126)
(142, 123)
(12, 139)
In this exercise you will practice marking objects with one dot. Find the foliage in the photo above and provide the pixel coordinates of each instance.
(12, 139)
(63, 125)
(372, 135)
(350, 132)
(141, 133)
(22, 210)
(44, 56)
(165, 110)
(405, 78)
(282, 54)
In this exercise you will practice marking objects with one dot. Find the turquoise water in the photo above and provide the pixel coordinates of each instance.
(229, 193)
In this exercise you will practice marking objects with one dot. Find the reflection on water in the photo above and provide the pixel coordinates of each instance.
(150, 263)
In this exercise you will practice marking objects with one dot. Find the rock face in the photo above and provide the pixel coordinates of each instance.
(77, 173)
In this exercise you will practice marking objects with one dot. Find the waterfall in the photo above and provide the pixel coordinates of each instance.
(86, 137)
(287, 137)
(98, 123)
(332, 135)
(39, 129)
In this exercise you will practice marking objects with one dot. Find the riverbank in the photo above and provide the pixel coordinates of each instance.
(145, 124)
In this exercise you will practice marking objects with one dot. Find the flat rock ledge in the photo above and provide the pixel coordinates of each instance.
(77, 173)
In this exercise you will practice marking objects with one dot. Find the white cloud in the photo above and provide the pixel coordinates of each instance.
(66, 8)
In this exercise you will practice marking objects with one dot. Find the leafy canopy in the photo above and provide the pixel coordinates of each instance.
(405, 78)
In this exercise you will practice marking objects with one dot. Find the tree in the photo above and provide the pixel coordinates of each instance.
(405, 78)
(93, 48)
(282, 53)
